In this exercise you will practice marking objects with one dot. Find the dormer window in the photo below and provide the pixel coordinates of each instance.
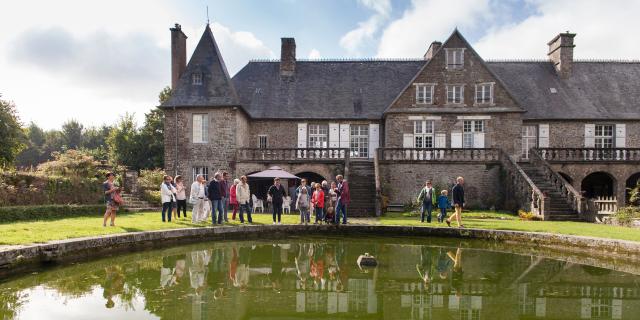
(196, 79)
(484, 93)
(455, 58)
(455, 93)
(424, 93)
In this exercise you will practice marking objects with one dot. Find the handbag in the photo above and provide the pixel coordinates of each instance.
(117, 198)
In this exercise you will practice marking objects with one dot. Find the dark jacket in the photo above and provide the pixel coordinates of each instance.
(276, 194)
(458, 194)
(214, 190)
(224, 188)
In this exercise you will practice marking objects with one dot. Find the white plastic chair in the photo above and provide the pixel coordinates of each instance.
(286, 204)
(257, 203)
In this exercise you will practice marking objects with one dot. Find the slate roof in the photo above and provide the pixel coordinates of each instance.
(323, 89)
(595, 90)
(216, 89)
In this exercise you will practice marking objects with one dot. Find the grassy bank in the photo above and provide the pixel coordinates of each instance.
(66, 228)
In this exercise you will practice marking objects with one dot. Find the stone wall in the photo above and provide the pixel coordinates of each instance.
(619, 171)
(503, 130)
(401, 182)
(570, 134)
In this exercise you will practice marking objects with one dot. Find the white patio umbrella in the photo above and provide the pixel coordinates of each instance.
(274, 172)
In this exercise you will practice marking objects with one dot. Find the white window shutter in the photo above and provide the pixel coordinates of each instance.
(478, 139)
(456, 139)
(302, 135)
(334, 135)
(541, 307)
(374, 138)
(616, 309)
(589, 135)
(440, 140)
(543, 135)
(585, 308)
(344, 135)
(196, 127)
(407, 140)
(621, 134)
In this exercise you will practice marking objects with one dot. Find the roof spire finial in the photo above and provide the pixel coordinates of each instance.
(207, 14)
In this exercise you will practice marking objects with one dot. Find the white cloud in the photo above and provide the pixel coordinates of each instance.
(429, 20)
(238, 47)
(353, 40)
(604, 30)
(314, 54)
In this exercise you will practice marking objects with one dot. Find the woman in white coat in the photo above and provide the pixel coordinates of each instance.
(198, 198)
(167, 196)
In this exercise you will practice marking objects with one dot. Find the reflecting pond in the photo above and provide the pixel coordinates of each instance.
(319, 278)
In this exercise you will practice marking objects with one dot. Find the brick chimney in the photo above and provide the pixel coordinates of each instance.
(178, 54)
(432, 49)
(561, 53)
(288, 57)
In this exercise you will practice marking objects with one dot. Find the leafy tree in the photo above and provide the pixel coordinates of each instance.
(123, 143)
(12, 137)
(35, 134)
(151, 140)
(32, 154)
(72, 134)
(71, 163)
(164, 95)
(96, 137)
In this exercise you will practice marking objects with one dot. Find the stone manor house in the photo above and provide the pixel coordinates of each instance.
(559, 137)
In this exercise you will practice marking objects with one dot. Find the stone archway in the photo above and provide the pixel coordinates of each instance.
(598, 184)
(631, 183)
(566, 177)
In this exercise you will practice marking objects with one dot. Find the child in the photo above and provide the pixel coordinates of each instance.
(302, 203)
(443, 204)
(318, 203)
(330, 215)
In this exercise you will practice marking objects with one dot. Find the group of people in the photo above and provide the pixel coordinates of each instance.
(428, 200)
(328, 202)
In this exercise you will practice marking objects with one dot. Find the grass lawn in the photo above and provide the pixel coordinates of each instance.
(505, 221)
(47, 230)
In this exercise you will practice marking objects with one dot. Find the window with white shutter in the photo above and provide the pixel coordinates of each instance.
(621, 135)
(359, 146)
(529, 139)
(473, 134)
(423, 134)
(603, 137)
(589, 135)
(200, 128)
(302, 135)
(318, 136)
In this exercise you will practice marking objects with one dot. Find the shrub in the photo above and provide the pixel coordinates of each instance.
(634, 194)
(36, 188)
(625, 215)
(150, 179)
(26, 213)
(529, 216)
(152, 196)
(71, 163)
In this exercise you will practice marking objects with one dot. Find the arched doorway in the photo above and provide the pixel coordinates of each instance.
(310, 176)
(566, 177)
(631, 183)
(598, 184)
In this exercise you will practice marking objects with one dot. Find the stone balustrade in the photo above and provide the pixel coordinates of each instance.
(438, 155)
(590, 154)
(292, 154)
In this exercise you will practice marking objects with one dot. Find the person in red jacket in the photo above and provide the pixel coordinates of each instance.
(233, 200)
(318, 203)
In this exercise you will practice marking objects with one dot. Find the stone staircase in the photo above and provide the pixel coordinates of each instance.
(134, 203)
(559, 209)
(362, 187)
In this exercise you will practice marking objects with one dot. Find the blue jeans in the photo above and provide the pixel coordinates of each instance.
(428, 207)
(341, 208)
(319, 214)
(245, 207)
(225, 208)
(216, 205)
(166, 207)
(304, 215)
(443, 214)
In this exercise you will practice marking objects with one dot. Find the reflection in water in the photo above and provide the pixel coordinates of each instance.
(320, 278)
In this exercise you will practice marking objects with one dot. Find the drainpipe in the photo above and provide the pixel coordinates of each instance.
(176, 142)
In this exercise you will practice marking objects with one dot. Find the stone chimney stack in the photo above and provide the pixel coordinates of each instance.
(288, 57)
(561, 53)
(178, 54)
(432, 49)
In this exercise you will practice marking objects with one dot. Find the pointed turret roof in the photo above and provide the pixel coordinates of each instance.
(216, 88)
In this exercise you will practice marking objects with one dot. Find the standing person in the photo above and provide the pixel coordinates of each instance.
(181, 196)
(333, 195)
(304, 185)
(224, 189)
(302, 203)
(233, 199)
(318, 203)
(343, 199)
(276, 192)
(426, 199)
(458, 202)
(215, 195)
(112, 207)
(199, 200)
(325, 189)
(443, 204)
(243, 196)
(167, 192)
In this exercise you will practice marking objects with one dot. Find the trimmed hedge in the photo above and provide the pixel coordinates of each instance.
(47, 212)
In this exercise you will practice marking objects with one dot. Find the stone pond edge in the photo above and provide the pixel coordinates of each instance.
(13, 259)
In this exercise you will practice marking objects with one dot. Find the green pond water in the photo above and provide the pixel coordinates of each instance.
(318, 278)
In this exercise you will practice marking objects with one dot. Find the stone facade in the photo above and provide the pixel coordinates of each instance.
(570, 134)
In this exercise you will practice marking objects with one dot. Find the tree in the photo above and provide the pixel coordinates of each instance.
(12, 137)
(151, 140)
(72, 134)
(32, 154)
(35, 134)
(123, 143)
(164, 95)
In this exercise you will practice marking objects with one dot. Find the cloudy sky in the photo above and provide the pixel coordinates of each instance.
(96, 60)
